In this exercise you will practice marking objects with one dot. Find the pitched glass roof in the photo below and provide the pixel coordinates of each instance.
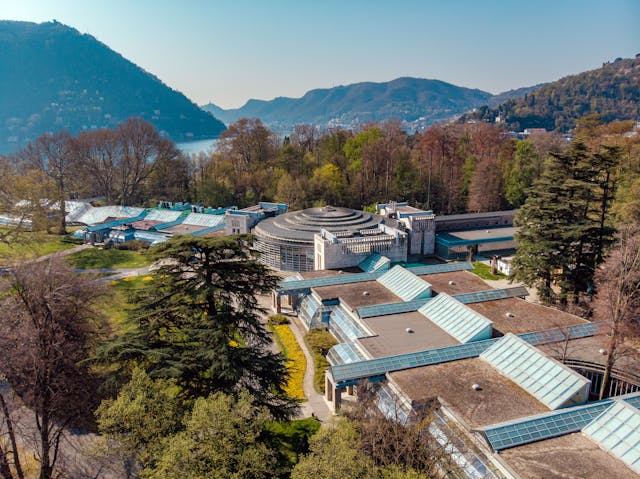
(391, 308)
(378, 366)
(375, 262)
(350, 328)
(543, 426)
(203, 219)
(465, 298)
(405, 284)
(546, 379)
(361, 277)
(492, 295)
(617, 429)
(551, 424)
(455, 318)
(163, 216)
(345, 353)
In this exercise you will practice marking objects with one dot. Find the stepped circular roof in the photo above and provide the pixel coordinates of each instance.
(300, 226)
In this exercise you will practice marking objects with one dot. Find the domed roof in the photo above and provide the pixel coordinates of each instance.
(300, 226)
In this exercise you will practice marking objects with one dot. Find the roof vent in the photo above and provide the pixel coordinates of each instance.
(509, 314)
(365, 293)
(476, 387)
(488, 231)
(409, 330)
(340, 271)
(602, 351)
(452, 282)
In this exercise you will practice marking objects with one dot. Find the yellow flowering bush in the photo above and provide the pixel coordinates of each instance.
(233, 344)
(296, 361)
(147, 278)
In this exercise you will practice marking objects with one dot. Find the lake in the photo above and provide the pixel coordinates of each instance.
(195, 147)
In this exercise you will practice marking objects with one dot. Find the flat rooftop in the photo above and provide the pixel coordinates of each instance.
(326, 273)
(352, 294)
(499, 400)
(588, 349)
(183, 229)
(463, 282)
(392, 336)
(527, 317)
(573, 456)
(145, 224)
(482, 234)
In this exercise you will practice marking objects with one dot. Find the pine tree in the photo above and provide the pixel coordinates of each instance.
(563, 223)
(198, 322)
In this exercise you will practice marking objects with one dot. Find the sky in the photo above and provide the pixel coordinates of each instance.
(227, 52)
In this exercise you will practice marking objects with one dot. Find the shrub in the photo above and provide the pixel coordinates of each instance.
(277, 320)
(133, 245)
(320, 341)
(296, 361)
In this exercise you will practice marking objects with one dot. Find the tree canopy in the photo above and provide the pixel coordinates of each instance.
(199, 323)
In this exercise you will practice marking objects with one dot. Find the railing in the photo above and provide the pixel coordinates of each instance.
(620, 382)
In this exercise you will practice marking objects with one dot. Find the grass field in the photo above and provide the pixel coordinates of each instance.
(484, 271)
(30, 245)
(94, 258)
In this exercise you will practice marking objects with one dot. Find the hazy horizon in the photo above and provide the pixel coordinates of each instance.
(229, 52)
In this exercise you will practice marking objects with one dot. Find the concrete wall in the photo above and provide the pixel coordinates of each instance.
(330, 254)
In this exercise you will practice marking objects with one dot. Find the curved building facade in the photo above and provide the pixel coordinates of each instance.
(286, 242)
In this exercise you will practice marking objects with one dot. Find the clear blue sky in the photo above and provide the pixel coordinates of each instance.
(229, 51)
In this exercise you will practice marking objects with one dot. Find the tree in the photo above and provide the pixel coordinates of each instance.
(49, 319)
(222, 439)
(134, 424)
(54, 155)
(564, 223)
(199, 322)
(141, 149)
(334, 454)
(522, 172)
(618, 296)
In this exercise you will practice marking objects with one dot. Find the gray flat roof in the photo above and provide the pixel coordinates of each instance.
(392, 337)
(481, 234)
(573, 456)
(499, 399)
(464, 282)
(351, 295)
(527, 317)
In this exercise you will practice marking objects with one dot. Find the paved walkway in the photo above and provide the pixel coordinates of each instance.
(315, 401)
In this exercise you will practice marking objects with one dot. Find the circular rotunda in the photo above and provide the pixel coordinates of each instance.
(286, 241)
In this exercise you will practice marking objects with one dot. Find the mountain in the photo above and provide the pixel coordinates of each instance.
(612, 91)
(418, 102)
(54, 78)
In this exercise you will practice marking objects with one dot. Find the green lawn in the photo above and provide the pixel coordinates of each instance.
(484, 271)
(29, 245)
(94, 258)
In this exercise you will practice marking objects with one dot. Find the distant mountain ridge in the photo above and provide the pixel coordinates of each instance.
(53, 78)
(415, 101)
(612, 91)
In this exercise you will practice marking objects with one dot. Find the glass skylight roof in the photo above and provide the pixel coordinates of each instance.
(617, 429)
(405, 284)
(375, 262)
(305, 284)
(543, 426)
(345, 353)
(458, 320)
(549, 381)
(391, 308)
(492, 294)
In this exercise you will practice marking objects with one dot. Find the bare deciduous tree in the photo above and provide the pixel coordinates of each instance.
(618, 298)
(44, 335)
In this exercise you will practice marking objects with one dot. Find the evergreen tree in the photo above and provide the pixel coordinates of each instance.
(563, 223)
(198, 322)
